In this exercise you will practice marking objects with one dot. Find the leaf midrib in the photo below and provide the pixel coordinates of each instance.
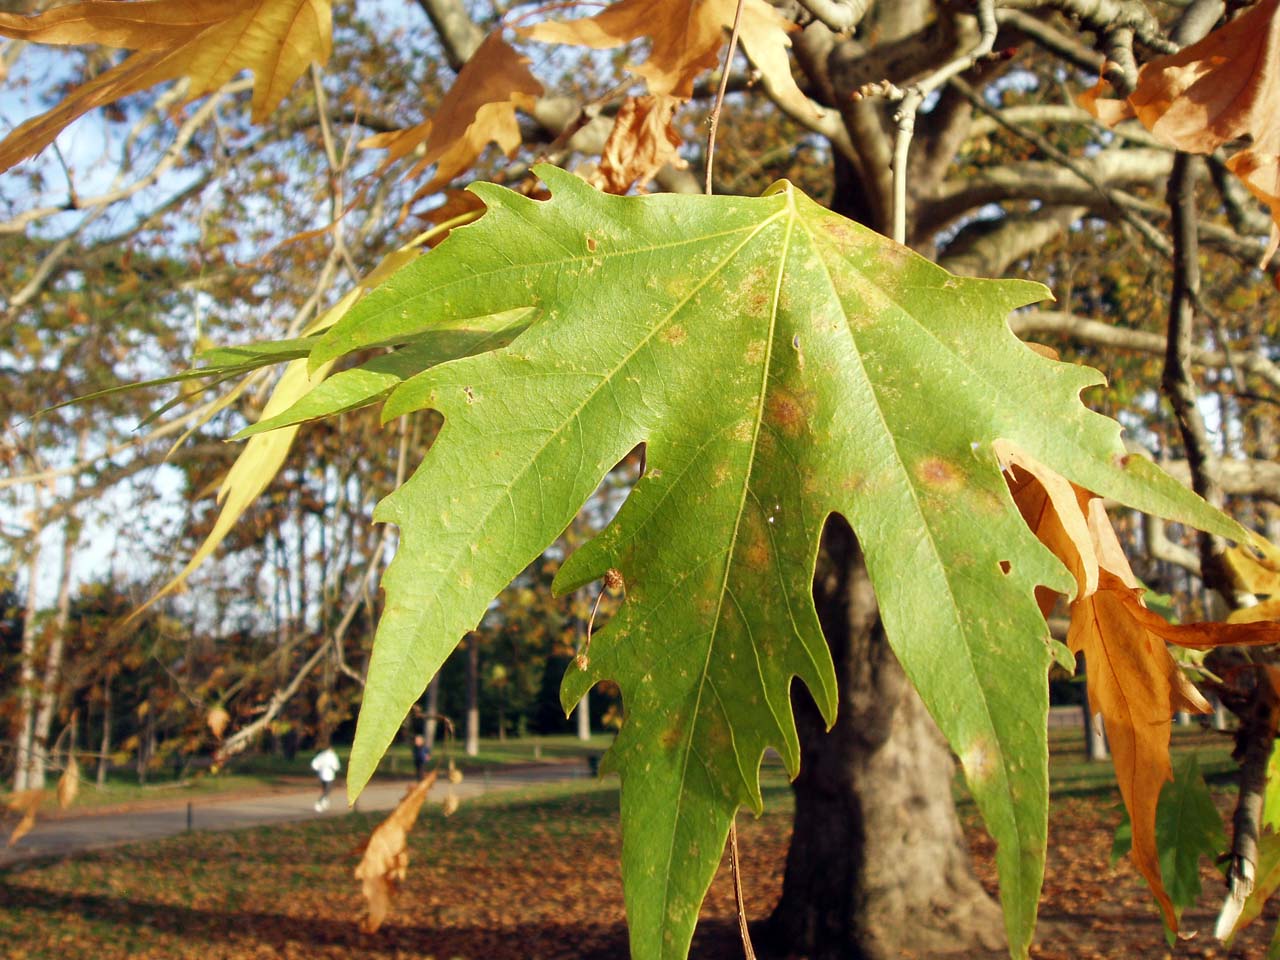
(605, 379)
(765, 366)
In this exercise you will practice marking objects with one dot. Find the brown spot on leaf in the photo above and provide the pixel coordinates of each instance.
(786, 411)
(670, 737)
(758, 553)
(939, 474)
(675, 335)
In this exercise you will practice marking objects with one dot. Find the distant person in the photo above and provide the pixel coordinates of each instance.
(421, 755)
(326, 765)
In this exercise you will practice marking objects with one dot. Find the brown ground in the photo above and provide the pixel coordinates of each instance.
(528, 885)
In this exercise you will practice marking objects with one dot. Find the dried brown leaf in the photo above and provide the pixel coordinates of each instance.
(385, 862)
(685, 37)
(479, 109)
(25, 803)
(642, 142)
(217, 720)
(1133, 681)
(69, 784)
(1222, 88)
(206, 42)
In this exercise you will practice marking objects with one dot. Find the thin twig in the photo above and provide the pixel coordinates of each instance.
(910, 99)
(720, 93)
(735, 867)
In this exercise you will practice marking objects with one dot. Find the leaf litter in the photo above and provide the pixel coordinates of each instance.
(535, 877)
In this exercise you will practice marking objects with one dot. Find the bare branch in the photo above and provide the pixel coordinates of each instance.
(1109, 336)
(838, 15)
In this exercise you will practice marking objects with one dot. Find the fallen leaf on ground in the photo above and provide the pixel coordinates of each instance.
(1224, 87)
(209, 43)
(385, 862)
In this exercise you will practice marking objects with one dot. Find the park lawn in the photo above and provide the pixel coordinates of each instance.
(521, 875)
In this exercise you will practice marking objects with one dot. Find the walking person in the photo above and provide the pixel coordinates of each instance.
(326, 765)
(421, 755)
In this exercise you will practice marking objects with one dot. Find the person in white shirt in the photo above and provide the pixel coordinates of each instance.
(326, 765)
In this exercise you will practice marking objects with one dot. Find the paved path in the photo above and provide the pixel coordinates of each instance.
(70, 835)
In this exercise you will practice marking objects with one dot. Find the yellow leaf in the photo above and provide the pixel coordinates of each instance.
(265, 453)
(1256, 568)
(450, 805)
(217, 719)
(1267, 610)
(208, 43)
(479, 109)
(385, 862)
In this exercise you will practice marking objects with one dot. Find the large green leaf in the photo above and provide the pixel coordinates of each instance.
(781, 364)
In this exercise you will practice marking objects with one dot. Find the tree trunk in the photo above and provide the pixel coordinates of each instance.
(104, 748)
(878, 863)
(27, 668)
(583, 715)
(473, 696)
(433, 711)
(51, 682)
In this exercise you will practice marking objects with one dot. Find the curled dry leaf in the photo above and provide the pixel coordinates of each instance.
(208, 43)
(1133, 681)
(685, 39)
(479, 109)
(1225, 87)
(642, 142)
(217, 719)
(385, 861)
(25, 803)
(455, 775)
(450, 805)
(69, 784)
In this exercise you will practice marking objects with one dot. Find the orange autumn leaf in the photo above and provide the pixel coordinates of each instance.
(208, 43)
(1132, 679)
(26, 803)
(479, 109)
(69, 784)
(642, 142)
(385, 862)
(1137, 687)
(1222, 88)
(685, 38)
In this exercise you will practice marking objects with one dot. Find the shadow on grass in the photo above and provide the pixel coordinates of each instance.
(257, 930)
